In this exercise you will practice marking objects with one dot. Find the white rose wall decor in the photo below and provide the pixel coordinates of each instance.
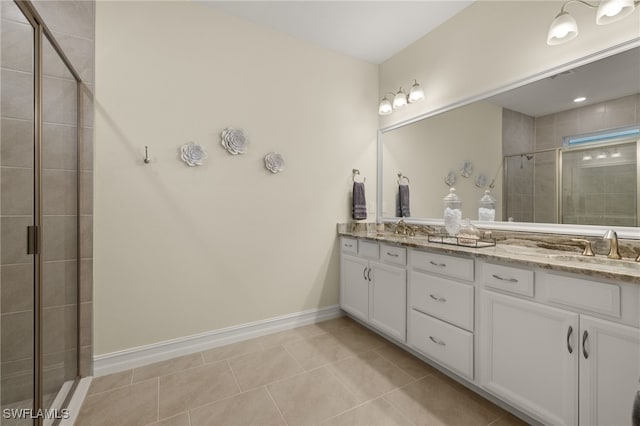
(234, 141)
(274, 162)
(192, 154)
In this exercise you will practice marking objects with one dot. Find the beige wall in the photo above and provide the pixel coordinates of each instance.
(180, 250)
(183, 250)
(428, 150)
(491, 44)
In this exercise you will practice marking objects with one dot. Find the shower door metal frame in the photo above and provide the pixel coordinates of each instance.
(40, 32)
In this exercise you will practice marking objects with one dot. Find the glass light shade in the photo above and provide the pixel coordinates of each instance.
(400, 99)
(613, 10)
(385, 107)
(416, 94)
(562, 29)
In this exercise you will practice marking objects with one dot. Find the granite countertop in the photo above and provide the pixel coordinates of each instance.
(510, 252)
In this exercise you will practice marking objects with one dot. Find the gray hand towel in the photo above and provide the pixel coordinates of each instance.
(359, 201)
(403, 201)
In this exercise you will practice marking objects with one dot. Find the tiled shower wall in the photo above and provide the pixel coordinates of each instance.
(518, 136)
(547, 133)
(72, 23)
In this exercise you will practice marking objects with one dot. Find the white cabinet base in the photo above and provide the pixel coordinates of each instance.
(528, 357)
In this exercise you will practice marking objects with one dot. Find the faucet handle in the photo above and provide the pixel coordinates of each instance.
(588, 249)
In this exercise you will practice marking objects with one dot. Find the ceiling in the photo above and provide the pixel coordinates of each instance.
(372, 31)
(609, 78)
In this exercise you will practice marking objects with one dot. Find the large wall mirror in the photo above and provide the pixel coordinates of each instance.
(553, 161)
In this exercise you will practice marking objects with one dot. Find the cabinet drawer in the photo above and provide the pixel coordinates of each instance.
(506, 278)
(587, 295)
(392, 254)
(368, 250)
(445, 343)
(349, 245)
(451, 266)
(445, 299)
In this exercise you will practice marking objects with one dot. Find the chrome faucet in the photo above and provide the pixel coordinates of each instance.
(402, 228)
(613, 238)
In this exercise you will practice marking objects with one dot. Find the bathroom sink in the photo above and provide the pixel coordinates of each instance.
(596, 260)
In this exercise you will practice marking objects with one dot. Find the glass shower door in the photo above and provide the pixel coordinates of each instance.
(59, 210)
(17, 193)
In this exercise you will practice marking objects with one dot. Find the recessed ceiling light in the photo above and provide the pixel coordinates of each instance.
(580, 99)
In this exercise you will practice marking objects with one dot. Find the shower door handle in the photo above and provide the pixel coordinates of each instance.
(32, 239)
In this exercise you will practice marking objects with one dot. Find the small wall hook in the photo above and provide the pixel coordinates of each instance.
(146, 160)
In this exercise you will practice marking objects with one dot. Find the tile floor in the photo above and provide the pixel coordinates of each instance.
(333, 373)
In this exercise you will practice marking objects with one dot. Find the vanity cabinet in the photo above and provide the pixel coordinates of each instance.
(528, 356)
(441, 309)
(609, 371)
(373, 283)
(560, 364)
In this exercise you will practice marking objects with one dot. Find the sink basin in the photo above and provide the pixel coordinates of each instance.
(596, 260)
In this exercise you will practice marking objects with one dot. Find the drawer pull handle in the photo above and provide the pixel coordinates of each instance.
(585, 336)
(364, 273)
(348, 245)
(369, 275)
(510, 280)
(393, 254)
(569, 333)
(441, 265)
(437, 298)
(437, 341)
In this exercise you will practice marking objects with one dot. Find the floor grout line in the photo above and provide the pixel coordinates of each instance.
(276, 405)
(158, 409)
(233, 373)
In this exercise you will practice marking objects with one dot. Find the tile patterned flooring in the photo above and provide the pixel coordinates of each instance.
(331, 373)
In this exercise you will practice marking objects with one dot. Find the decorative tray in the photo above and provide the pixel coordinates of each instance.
(463, 242)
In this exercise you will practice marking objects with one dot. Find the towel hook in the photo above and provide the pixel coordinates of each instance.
(401, 176)
(146, 160)
(356, 172)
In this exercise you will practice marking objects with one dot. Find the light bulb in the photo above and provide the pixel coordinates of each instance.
(385, 107)
(613, 10)
(400, 99)
(416, 94)
(580, 99)
(562, 29)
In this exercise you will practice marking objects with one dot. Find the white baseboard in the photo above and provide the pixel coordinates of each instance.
(142, 355)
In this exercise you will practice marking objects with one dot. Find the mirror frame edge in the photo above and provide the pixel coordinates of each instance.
(549, 228)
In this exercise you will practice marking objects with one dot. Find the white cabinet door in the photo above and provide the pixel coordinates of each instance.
(354, 286)
(609, 371)
(388, 299)
(529, 357)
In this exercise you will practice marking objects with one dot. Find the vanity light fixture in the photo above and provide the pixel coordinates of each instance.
(564, 26)
(601, 156)
(392, 101)
(616, 154)
(587, 157)
(580, 99)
